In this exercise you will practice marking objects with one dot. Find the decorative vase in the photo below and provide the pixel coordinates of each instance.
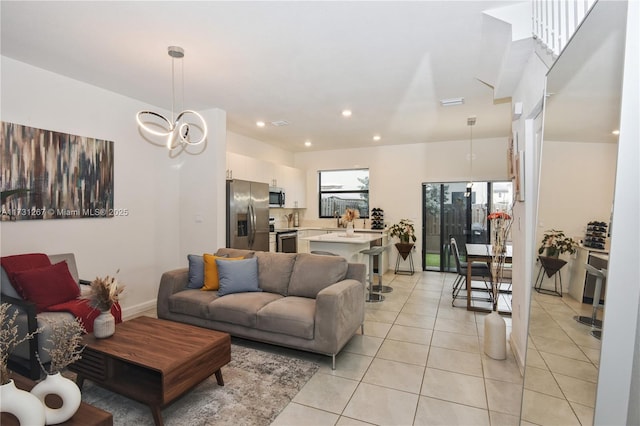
(495, 336)
(350, 230)
(68, 392)
(104, 325)
(26, 407)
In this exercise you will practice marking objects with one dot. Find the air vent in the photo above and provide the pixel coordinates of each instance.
(280, 123)
(451, 102)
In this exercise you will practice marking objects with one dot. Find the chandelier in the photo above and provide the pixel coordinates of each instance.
(180, 129)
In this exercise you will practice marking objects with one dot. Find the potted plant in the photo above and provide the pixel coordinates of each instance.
(22, 404)
(406, 233)
(347, 219)
(555, 242)
(104, 294)
(65, 347)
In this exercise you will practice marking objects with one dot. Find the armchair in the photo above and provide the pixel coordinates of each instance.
(31, 317)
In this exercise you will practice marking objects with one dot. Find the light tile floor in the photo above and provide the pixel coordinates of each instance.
(562, 363)
(421, 361)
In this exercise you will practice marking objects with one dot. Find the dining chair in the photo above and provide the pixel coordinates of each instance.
(479, 270)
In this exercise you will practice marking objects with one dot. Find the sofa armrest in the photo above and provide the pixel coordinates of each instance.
(339, 313)
(170, 283)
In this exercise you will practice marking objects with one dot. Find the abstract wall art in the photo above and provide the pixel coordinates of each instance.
(53, 175)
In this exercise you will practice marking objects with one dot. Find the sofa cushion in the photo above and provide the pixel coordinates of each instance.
(196, 271)
(191, 302)
(211, 275)
(48, 285)
(239, 308)
(293, 316)
(238, 277)
(231, 252)
(274, 271)
(17, 263)
(312, 273)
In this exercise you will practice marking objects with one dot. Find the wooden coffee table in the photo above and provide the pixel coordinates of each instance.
(153, 361)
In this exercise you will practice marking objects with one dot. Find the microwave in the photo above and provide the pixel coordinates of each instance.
(276, 197)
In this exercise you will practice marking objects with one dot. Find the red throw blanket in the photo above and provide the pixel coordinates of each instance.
(81, 308)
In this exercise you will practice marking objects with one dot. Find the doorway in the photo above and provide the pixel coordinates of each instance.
(458, 210)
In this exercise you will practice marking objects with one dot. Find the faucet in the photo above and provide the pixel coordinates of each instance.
(335, 214)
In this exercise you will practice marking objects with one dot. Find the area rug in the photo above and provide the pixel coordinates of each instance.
(257, 386)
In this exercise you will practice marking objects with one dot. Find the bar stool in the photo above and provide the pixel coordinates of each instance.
(374, 252)
(600, 275)
(379, 288)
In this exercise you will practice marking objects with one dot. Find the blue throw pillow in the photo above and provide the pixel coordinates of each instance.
(196, 271)
(238, 276)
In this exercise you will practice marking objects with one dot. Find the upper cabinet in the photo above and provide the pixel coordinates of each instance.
(293, 181)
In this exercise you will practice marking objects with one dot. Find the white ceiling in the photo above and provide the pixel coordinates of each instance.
(303, 62)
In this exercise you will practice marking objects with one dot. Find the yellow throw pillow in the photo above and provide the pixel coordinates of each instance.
(211, 281)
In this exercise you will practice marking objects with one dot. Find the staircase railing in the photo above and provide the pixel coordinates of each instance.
(555, 21)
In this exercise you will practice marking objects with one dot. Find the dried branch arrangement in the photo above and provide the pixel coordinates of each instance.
(9, 339)
(65, 344)
(104, 292)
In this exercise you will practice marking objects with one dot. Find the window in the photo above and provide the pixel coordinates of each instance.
(342, 189)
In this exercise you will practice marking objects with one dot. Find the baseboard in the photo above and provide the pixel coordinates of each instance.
(134, 311)
(518, 356)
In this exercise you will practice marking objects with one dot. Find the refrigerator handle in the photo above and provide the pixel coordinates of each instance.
(252, 225)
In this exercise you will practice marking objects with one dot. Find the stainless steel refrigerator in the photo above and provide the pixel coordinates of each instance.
(247, 215)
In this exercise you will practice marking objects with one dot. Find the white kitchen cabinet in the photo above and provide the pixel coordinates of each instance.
(248, 168)
(294, 183)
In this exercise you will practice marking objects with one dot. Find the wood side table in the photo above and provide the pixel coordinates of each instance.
(153, 361)
(87, 415)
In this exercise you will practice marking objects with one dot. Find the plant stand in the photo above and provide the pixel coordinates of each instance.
(404, 251)
(551, 266)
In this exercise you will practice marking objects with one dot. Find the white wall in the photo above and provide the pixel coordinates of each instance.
(618, 387)
(146, 242)
(576, 186)
(529, 92)
(251, 147)
(396, 173)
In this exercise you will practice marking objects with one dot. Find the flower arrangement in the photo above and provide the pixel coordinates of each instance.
(555, 242)
(66, 344)
(500, 228)
(104, 292)
(9, 339)
(404, 230)
(350, 215)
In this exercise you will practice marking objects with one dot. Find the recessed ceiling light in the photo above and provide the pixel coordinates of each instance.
(346, 113)
(260, 123)
(451, 101)
(616, 132)
(376, 137)
(307, 143)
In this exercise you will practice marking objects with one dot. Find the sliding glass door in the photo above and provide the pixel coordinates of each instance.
(452, 210)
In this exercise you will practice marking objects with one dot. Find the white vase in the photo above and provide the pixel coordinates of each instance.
(104, 325)
(66, 389)
(495, 336)
(350, 230)
(26, 407)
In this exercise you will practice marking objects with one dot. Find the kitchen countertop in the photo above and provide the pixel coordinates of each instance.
(341, 237)
(318, 228)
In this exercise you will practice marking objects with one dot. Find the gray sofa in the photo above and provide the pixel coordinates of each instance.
(309, 302)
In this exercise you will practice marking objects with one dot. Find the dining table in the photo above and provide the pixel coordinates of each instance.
(482, 253)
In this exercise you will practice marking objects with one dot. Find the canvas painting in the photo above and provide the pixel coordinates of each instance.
(53, 175)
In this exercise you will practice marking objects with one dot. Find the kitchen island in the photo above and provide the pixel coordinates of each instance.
(348, 247)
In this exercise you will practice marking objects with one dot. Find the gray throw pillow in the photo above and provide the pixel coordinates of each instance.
(239, 276)
(196, 271)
